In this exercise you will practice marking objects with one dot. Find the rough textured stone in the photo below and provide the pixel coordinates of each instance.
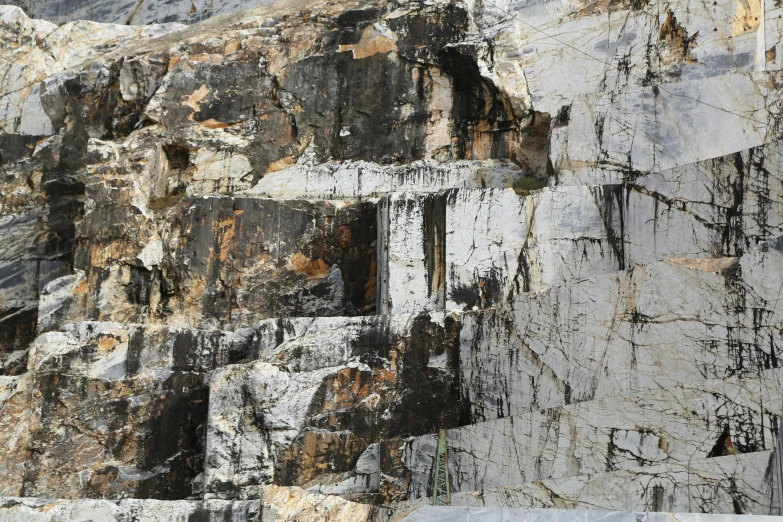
(320, 396)
(294, 504)
(15, 415)
(136, 12)
(24, 509)
(222, 254)
(101, 426)
(269, 252)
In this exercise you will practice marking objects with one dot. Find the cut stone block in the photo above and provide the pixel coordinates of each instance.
(411, 253)
(456, 513)
(613, 334)
(90, 347)
(739, 196)
(736, 486)
(651, 129)
(361, 179)
(711, 418)
(499, 244)
(293, 504)
(29, 259)
(485, 234)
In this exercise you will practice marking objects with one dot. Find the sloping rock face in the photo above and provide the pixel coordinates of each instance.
(253, 265)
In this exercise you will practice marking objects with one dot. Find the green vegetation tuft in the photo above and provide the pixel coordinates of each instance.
(525, 185)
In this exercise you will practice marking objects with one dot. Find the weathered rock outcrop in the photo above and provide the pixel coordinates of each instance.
(255, 257)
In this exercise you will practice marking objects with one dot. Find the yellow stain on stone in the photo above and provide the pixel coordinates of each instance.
(313, 268)
(747, 17)
(194, 99)
(232, 47)
(108, 343)
(281, 164)
(716, 265)
(374, 40)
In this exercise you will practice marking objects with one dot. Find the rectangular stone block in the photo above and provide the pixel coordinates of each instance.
(651, 129)
(486, 232)
(736, 200)
(251, 259)
(614, 334)
(27, 264)
(411, 253)
(574, 233)
(720, 485)
(500, 244)
(362, 179)
(712, 418)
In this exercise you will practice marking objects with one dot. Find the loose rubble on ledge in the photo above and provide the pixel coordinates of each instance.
(255, 256)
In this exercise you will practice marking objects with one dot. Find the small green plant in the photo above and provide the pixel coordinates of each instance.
(167, 201)
(525, 185)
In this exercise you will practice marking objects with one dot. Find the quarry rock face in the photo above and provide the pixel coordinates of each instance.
(256, 258)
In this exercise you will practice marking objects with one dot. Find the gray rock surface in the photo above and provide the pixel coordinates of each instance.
(133, 12)
(255, 256)
(702, 486)
(498, 514)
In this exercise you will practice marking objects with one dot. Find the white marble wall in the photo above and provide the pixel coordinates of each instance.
(613, 334)
(485, 234)
(741, 192)
(575, 232)
(615, 47)
(499, 244)
(711, 418)
(361, 179)
(686, 492)
(411, 251)
(459, 513)
(652, 129)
